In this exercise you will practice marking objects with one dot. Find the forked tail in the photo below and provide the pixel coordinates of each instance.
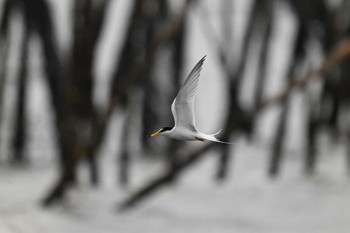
(211, 137)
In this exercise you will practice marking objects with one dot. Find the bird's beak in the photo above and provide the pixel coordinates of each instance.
(155, 134)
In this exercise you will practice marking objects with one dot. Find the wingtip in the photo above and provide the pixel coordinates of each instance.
(201, 61)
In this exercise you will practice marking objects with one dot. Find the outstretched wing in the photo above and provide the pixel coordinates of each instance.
(183, 105)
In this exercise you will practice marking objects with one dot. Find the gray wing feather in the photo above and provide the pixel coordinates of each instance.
(183, 105)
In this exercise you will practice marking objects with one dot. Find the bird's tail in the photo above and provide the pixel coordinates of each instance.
(213, 138)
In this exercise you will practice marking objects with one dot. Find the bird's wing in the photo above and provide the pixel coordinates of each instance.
(183, 105)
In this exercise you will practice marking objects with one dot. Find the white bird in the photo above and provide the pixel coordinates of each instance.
(183, 112)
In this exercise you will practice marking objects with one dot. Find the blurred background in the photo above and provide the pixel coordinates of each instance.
(83, 83)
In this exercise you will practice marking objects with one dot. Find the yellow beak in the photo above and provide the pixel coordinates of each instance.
(155, 134)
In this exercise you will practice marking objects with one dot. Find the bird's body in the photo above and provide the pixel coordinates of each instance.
(183, 112)
(186, 134)
(181, 134)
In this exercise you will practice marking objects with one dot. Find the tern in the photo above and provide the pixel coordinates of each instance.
(183, 112)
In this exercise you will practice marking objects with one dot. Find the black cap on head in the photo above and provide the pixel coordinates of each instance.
(165, 129)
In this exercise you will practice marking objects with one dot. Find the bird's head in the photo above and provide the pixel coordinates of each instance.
(162, 131)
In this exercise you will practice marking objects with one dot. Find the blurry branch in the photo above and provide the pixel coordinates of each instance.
(236, 113)
(237, 116)
(260, 15)
(39, 13)
(143, 26)
(135, 75)
(335, 30)
(20, 131)
(41, 23)
(335, 57)
(211, 35)
(150, 102)
(97, 19)
(311, 146)
(4, 24)
(133, 47)
(6, 14)
(297, 57)
(179, 54)
(36, 19)
(178, 58)
(348, 152)
(124, 156)
(4, 51)
(78, 112)
(267, 20)
(224, 54)
(165, 178)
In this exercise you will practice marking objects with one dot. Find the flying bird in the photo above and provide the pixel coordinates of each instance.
(183, 112)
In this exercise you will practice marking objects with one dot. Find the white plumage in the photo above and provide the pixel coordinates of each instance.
(183, 112)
